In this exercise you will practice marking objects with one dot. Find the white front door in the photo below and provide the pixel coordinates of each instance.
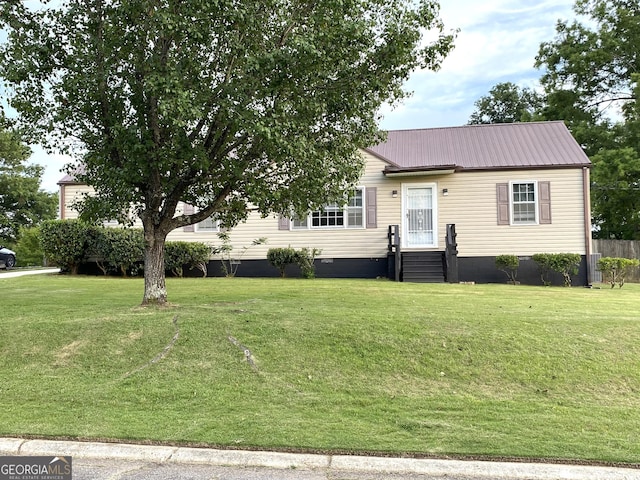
(420, 216)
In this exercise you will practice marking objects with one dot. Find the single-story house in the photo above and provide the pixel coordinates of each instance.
(436, 204)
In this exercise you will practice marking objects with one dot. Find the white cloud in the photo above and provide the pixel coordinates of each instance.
(498, 42)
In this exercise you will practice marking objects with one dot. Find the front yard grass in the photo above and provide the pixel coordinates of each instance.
(341, 365)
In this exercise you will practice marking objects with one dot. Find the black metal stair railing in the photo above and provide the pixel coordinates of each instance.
(451, 254)
(395, 247)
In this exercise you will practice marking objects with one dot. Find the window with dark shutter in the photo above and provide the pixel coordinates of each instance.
(207, 225)
(334, 215)
(523, 203)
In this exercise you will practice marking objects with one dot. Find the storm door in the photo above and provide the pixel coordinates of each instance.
(419, 216)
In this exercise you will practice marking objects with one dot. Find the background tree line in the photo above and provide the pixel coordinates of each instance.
(23, 204)
(590, 81)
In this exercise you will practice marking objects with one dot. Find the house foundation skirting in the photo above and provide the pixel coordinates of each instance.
(483, 270)
(325, 268)
(470, 269)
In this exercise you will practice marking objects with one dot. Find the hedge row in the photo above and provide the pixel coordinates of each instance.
(70, 243)
(566, 264)
(614, 270)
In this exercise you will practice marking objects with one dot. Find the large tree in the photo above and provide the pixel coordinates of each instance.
(616, 177)
(590, 66)
(590, 81)
(219, 104)
(22, 203)
(506, 103)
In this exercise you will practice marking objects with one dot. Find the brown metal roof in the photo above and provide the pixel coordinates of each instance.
(67, 180)
(474, 147)
(482, 147)
(71, 179)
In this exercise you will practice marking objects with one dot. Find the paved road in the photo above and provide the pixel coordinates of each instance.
(98, 461)
(98, 469)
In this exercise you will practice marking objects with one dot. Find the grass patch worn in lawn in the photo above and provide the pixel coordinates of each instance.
(355, 365)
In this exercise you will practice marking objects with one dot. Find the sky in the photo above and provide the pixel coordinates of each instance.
(498, 42)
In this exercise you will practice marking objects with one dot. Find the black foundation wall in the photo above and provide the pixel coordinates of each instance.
(470, 269)
(325, 268)
(483, 270)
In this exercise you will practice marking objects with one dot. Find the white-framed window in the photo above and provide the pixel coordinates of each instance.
(355, 210)
(300, 223)
(110, 223)
(524, 203)
(334, 215)
(127, 218)
(207, 225)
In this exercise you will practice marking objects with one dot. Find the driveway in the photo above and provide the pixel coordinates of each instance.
(20, 273)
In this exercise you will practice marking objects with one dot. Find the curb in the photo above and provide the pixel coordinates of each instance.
(476, 470)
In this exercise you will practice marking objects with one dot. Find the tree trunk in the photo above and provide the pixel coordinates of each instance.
(155, 289)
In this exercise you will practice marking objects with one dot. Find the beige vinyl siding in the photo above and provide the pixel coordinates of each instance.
(334, 242)
(472, 206)
(69, 194)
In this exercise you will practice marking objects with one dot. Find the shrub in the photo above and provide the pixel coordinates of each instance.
(281, 258)
(508, 264)
(117, 249)
(305, 258)
(64, 243)
(564, 263)
(615, 269)
(28, 247)
(178, 255)
(230, 263)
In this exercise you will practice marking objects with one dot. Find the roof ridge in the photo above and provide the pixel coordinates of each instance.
(479, 125)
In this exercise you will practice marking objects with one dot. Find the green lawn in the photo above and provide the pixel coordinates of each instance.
(356, 365)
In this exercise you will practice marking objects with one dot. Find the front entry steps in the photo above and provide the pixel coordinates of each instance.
(423, 267)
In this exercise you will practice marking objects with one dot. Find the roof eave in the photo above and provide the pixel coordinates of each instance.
(420, 171)
(69, 180)
(525, 167)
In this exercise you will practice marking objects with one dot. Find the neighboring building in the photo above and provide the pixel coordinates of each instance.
(497, 189)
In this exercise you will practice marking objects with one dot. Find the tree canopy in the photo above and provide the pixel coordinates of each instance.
(506, 103)
(220, 105)
(590, 79)
(595, 62)
(22, 203)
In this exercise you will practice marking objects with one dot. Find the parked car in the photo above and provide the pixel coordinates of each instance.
(8, 257)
